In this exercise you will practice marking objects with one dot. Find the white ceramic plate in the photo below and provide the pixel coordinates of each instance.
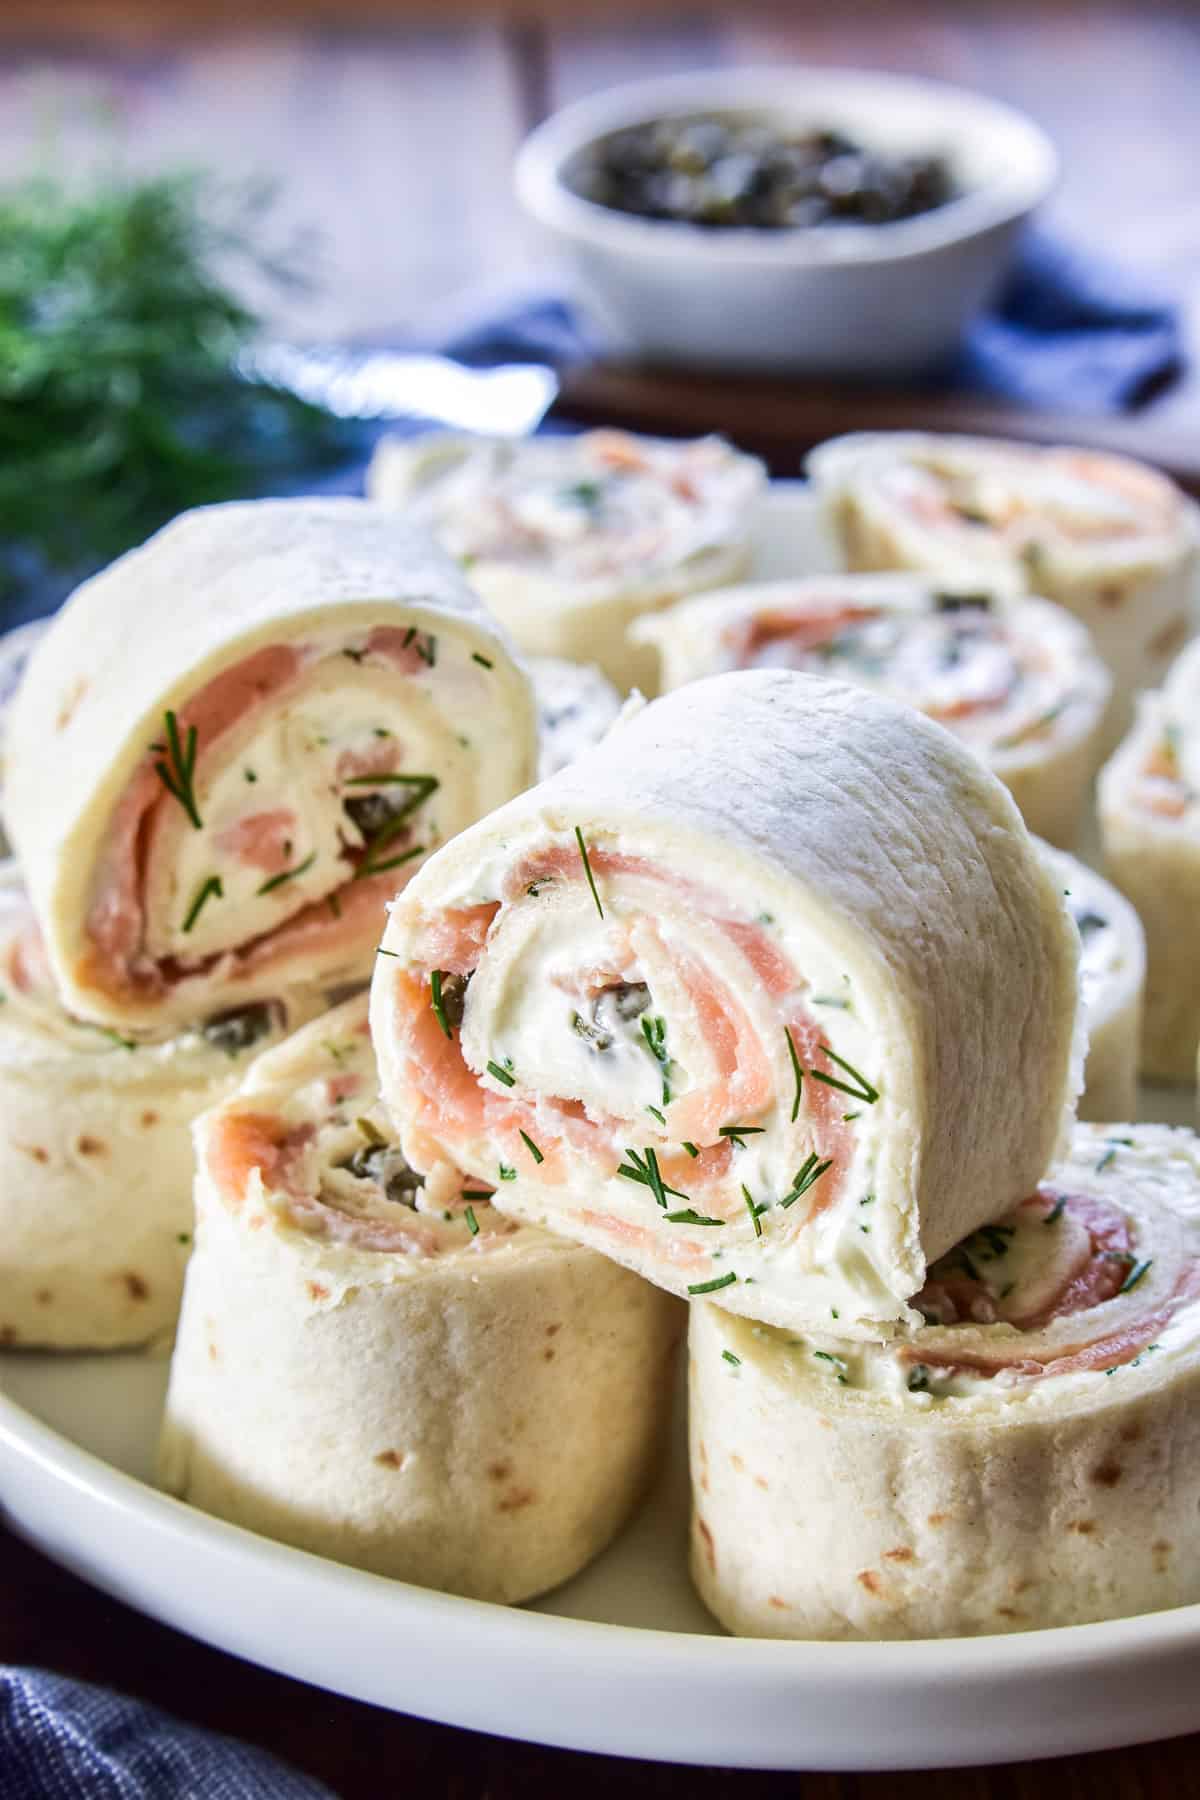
(623, 1659)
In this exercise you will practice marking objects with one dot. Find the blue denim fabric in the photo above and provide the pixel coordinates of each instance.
(66, 1740)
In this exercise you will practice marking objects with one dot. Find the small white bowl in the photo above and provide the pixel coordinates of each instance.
(877, 300)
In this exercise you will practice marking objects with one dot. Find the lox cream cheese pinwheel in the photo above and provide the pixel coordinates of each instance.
(234, 745)
(1112, 977)
(1113, 541)
(382, 1369)
(96, 1152)
(1029, 1457)
(568, 539)
(1148, 799)
(769, 995)
(1020, 683)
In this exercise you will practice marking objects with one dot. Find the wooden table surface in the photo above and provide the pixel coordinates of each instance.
(394, 137)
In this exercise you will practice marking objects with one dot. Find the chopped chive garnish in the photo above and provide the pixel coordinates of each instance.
(753, 1210)
(472, 1221)
(423, 786)
(810, 1171)
(689, 1216)
(408, 637)
(1135, 1275)
(587, 869)
(848, 1118)
(839, 1363)
(531, 1147)
(485, 662)
(427, 651)
(797, 1071)
(831, 1000)
(654, 1112)
(645, 1170)
(367, 867)
(1056, 1211)
(867, 1200)
(507, 1174)
(176, 774)
(285, 875)
(504, 1075)
(862, 1090)
(372, 1133)
(736, 1133)
(114, 1037)
(729, 1357)
(380, 951)
(710, 1287)
(249, 774)
(1110, 1156)
(475, 1194)
(211, 889)
(691, 1149)
(435, 996)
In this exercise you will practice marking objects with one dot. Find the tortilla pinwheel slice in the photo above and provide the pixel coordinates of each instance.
(379, 1367)
(96, 1151)
(1029, 1457)
(1112, 540)
(568, 539)
(1017, 680)
(236, 744)
(769, 995)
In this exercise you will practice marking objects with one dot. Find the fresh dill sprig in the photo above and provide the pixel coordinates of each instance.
(208, 890)
(178, 771)
(587, 869)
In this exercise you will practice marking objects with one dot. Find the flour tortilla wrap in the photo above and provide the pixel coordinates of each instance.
(1035, 1464)
(96, 1153)
(389, 1373)
(822, 963)
(1113, 541)
(576, 705)
(1112, 980)
(1019, 683)
(1148, 799)
(568, 539)
(313, 682)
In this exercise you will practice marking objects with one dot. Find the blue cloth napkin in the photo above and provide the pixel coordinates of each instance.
(64, 1740)
(1069, 332)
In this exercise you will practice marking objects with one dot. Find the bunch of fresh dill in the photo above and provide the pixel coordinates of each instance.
(122, 321)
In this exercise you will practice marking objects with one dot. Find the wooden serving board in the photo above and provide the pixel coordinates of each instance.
(780, 420)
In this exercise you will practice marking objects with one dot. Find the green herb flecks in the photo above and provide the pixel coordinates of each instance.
(861, 1090)
(436, 998)
(689, 1216)
(369, 866)
(644, 1169)
(177, 773)
(208, 890)
(472, 1221)
(691, 1150)
(286, 875)
(1056, 1211)
(797, 1073)
(713, 1286)
(1135, 1275)
(485, 662)
(839, 1367)
(655, 1114)
(507, 1174)
(502, 1072)
(810, 1171)
(655, 1033)
(729, 1357)
(1109, 1157)
(754, 1210)
(249, 775)
(531, 1147)
(587, 869)
(737, 1134)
